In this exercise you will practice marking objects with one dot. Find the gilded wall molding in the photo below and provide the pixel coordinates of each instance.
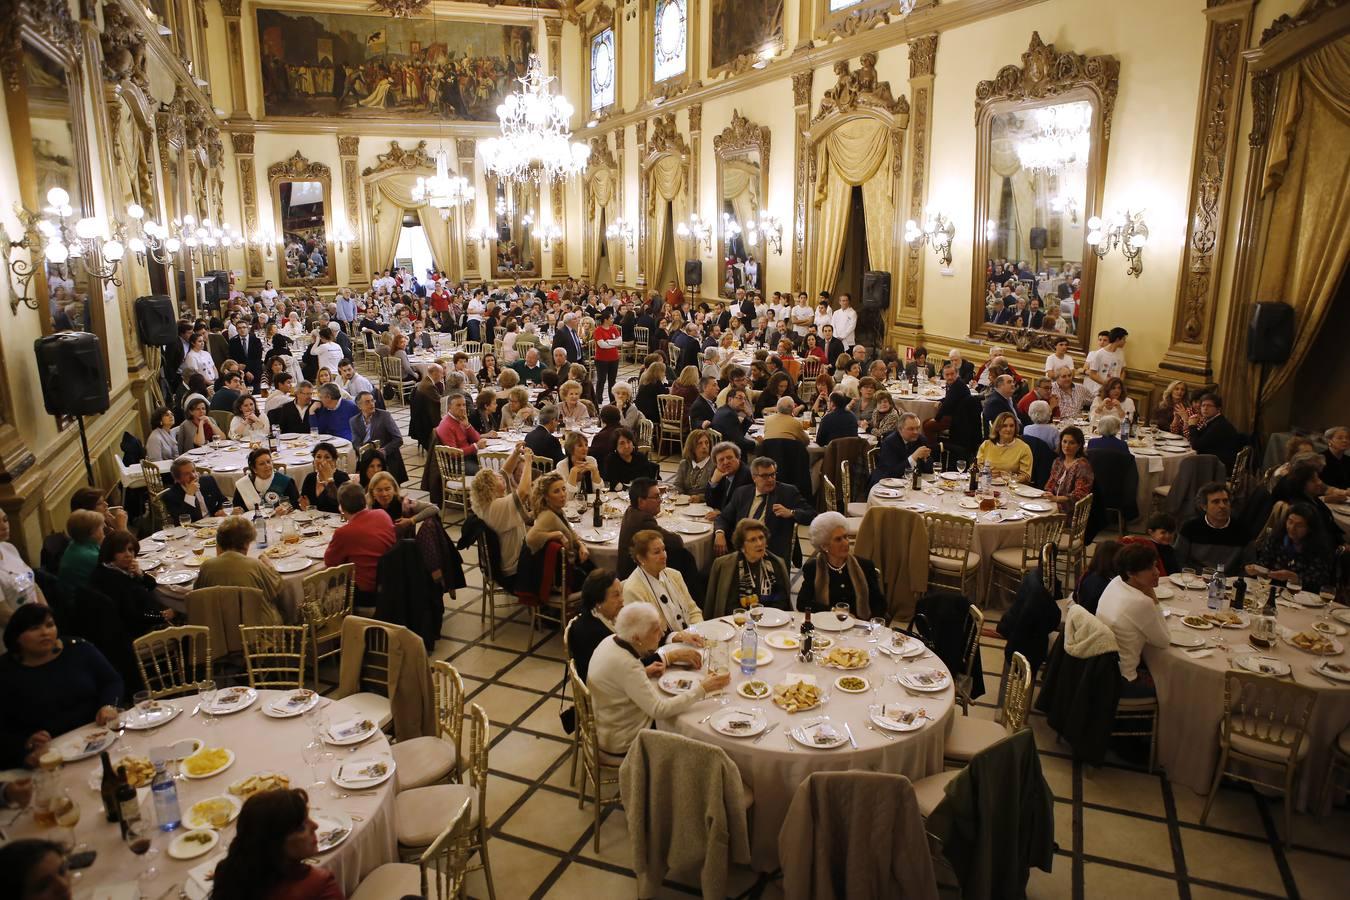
(923, 55)
(349, 146)
(859, 90)
(123, 49)
(1046, 73)
(298, 168)
(248, 201)
(801, 99)
(695, 142)
(46, 22)
(398, 158)
(922, 61)
(465, 149)
(641, 132)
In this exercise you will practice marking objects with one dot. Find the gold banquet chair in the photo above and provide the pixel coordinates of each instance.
(440, 870)
(329, 595)
(432, 758)
(970, 734)
(454, 480)
(952, 561)
(594, 761)
(274, 655)
(672, 422)
(172, 660)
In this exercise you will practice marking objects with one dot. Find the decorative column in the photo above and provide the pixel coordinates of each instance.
(642, 204)
(348, 146)
(621, 272)
(248, 201)
(234, 48)
(695, 176)
(1227, 32)
(922, 58)
(464, 148)
(801, 100)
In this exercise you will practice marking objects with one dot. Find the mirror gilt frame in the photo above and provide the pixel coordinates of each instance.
(739, 139)
(297, 168)
(1046, 77)
(512, 187)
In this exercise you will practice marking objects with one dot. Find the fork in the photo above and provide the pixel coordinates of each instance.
(787, 737)
(886, 735)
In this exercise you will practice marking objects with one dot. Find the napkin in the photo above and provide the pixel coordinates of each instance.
(1200, 653)
(1155, 463)
(346, 729)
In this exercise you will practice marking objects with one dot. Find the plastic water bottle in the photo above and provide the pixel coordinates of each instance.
(165, 794)
(749, 648)
(1217, 590)
(1125, 429)
(986, 479)
(260, 525)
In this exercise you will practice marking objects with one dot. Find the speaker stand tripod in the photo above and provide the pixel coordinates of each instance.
(1256, 414)
(84, 447)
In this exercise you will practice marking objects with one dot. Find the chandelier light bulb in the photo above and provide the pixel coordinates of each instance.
(173, 245)
(56, 251)
(1094, 238)
(47, 228)
(58, 197)
(113, 251)
(136, 211)
(87, 229)
(136, 245)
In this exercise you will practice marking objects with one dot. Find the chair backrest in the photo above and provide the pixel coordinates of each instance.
(443, 866)
(830, 497)
(472, 348)
(391, 367)
(644, 435)
(374, 676)
(329, 595)
(971, 646)
(1038, 533)
(949, 537)
(159, 512)
(173, 660)
(448, 695)
(672, 411)
(222, 418)
(1267, 710)
(1016, 693)
(1078, 522)
(643, 336)
(223, 610)
(154, 480)
(477, 768)
(450, 461)
(1278, 510)
(715, 435)
(587, 737)
(811, 368)
(492, 459)
(274, 655)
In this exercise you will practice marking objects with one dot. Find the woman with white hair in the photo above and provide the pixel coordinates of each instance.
(1040, 427)
(1336, 472)
(662, 588)
(624, 697)
(1108, 427)
(835, 575)
(629, 414)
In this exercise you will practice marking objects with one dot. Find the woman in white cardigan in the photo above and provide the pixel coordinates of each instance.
(626, 701)
(654, 583)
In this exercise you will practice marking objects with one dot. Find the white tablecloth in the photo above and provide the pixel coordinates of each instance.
(604, 543)
(226, 462)
(260, 744)
(1191, 698)
(773, 771)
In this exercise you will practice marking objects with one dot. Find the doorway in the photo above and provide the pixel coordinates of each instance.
(413, 244)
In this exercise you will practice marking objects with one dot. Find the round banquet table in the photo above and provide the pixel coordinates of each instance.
(994, 530)
(924, 404)
(226, 461)
(1191, 694)
(176, 556)
(261, 744)
(603, 543)
(773, 768)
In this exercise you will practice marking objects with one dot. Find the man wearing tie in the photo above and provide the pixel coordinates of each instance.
(902, 451)
(781, 507)
(246, 350)
(1000, 401)
(566, 338)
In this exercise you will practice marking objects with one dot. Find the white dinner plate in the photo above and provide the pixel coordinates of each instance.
(782, 640)
(1308, 598)
(335, 827)
(195, 843)
(1182, 639)
(695, 510)
(1036, 507)
(84, 743)
(1185, 583)
(1333, 670)
(291, 564)
(677, 682)
(887, 493)
(1163, 592)
(953, 476)
(1341, 615)
(292, 436)
(1328, 628)
(738, 722)
(773, 617)
(196, 817)
(149, 565)
(1194, 620)
(690, 526)
(325, 437)
(150, 546)
(597, 535)
(226, 470)
(229, 761)
(1337, 648)
(892, 482)
(893, 716)
(928, 680)
(291, 704)
(198, 885)
(232, 700)
(314, 552)
(363, 772)
(1143, 451)
(763, 656)
(829, 622)
(179, 577)
(969, 503)
(911, 649)
(1262, 665)
(715, 630)
(1030, 493)
(819, 734)
(352, 731)
(200, 451)
(153, 715)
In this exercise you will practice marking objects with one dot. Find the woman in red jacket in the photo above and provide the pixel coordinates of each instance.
(608, 340)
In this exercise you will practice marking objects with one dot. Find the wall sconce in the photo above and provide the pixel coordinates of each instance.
(52, 237)
(621, 230)
(548, 233)
(1125, 230)
(698, 230)
(480, 234)
(265, 241)
(343, 238)
(1066, 205)
(990, 230)
(769, 229)
(937, 232)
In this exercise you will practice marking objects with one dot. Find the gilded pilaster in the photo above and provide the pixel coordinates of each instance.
(464, 148)
(248, 202)
(234, 49)
(801, 100)
(348, 147)
(922, 62)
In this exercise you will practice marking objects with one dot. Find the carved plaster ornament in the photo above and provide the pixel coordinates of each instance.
(398, 158)
(861, 89)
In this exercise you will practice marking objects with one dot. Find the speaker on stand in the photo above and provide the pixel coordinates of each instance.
(1270, 339)
(74, 380)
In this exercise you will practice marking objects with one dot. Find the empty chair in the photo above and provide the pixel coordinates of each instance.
(391, 368)
(329, 595)
(173, 660)
(440, 870)
(1011, 564)
(970, 735)
(1073, 541)
(434, 757)
(672, 422)
(454, 480)
(952, 563)
(274, 655)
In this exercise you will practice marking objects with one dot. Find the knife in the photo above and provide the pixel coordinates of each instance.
(765, 733)
(196, 709)
(849, 732)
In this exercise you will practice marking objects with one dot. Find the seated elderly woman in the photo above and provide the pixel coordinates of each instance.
(627, 463)
(629, 414)
(656, 583)
(49, 686)
(835, 575)
(1108, 427)
(120, 579)
(1005, 452)
(264, 485)
(751, 571)
(696, 465)
(86, 530)
(517, 413)
(1040, 427)
(405, 512)
(266, 859)
(1129, 607)
(626, 701)
(579, 470)
(1298, 551)
(503, 507)
(601, 600)
(1336, 472)
(233, 567)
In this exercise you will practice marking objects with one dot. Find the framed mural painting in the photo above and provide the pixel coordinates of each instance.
(741, 31)
(337, 65)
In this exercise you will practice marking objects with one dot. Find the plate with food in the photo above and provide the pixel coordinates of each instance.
(833, 621)
(929, 680)
(763, 656)
(1262, 665)
(677, 682)
(819, 734)
(194, 843)
(1314, 643)
(231, 700)
(335, 827)
(207, 762)
(898, 717)
(151, 714)
(259, 782)
(292, 564)
(887, 493)
(85, 743)
(1330, 628)
(1200, 623)
(279, 551)
(782, 640)
(846, 658)
(352, 731)
(754, 689)
(213, 812)
(821, 641)
(1183, 639)
(363, 772)
(1333, 670)
(1226, 618)
(1308, 598)
(291, 703)
(797, 696)
(140, 772)
(773, 617)
(852, 684)
(903, 646)
(739, 722)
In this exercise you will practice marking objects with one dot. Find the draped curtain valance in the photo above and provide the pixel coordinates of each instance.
(392, 196)
(857, 153)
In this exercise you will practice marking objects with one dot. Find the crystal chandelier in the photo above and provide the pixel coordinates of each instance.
(1061, 138)
(442, 191)
(535, 142)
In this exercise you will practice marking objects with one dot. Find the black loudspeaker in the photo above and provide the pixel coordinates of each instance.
(1039, 236)
(1270, 336)
(693, 272)
(876, 290)
(155, 322)
(218, 291)
(73, 374)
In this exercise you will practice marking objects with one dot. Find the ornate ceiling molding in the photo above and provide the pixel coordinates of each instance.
(297, 167)
(600, 18)
(801, 87)
(398, 158)
(741, 134)
(1046, 73)
(859, 90)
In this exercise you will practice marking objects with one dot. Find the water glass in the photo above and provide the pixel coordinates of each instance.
(877, 629)
(962, 465)
(313, 755)
(185, 521)
(206, 696)
(1188, 578)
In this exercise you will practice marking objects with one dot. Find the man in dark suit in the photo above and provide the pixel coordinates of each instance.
(834, 348)
(729, 473)
(373, 425)
(781, 507)
(192, 494)
(293, 418)
(957, 393)
(543, 440)
(644, 495)
(424, 407)
(704, 407)
(733, 420)
(247, 350)
(999, 401)
(1211, 432)
(688, 344)
(566, 338)
(232, 387)
(902, 451)
(176, 351)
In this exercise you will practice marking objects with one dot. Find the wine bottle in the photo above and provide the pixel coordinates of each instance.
(974, 479)
(807, 629)
(596, 518)
(108, 788)
(128, 805)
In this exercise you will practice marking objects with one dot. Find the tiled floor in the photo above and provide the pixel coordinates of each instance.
(1120, 831)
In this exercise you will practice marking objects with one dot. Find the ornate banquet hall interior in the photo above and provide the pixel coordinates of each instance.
(1011, 331)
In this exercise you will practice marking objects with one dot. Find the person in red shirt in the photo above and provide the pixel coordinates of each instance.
(367, 535)
(455, 431)
(608, 339)
(1042, 391)
(674, 296)
(267, 858)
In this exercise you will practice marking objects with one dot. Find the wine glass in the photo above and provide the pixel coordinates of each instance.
(140, 840)
(719, 663)
(841, 612)
(317, 720)
(962, 465)
(756, 612)
(185, 521)
(1188, 578)
(206, 696)
(876, 626)
(313, 755)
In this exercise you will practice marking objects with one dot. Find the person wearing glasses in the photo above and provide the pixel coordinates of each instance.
(781, 507)
(751, 571)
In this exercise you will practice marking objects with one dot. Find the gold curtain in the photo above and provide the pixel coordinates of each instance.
(1005, 163)
(740, 187)
(605, 199)
(666, 186)
(393, 195)
(855, 153)
(439, 235)
(1307, 180)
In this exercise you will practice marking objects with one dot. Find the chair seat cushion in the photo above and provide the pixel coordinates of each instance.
(969, 736)
(422, 813)
(855, 509)
(367, 706)
(931, 791)
(422, 761)
(391, 880)
(945, 564)
(1009, 557)
(1261, 750)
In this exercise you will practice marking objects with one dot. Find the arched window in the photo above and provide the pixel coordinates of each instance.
(603, 67)
(670, 39)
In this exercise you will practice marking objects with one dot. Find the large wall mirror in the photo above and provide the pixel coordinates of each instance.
(1043, 130)
(515, 209)
(742, 152)
(302, 200)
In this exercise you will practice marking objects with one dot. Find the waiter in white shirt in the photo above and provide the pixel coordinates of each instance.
(845, 320)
